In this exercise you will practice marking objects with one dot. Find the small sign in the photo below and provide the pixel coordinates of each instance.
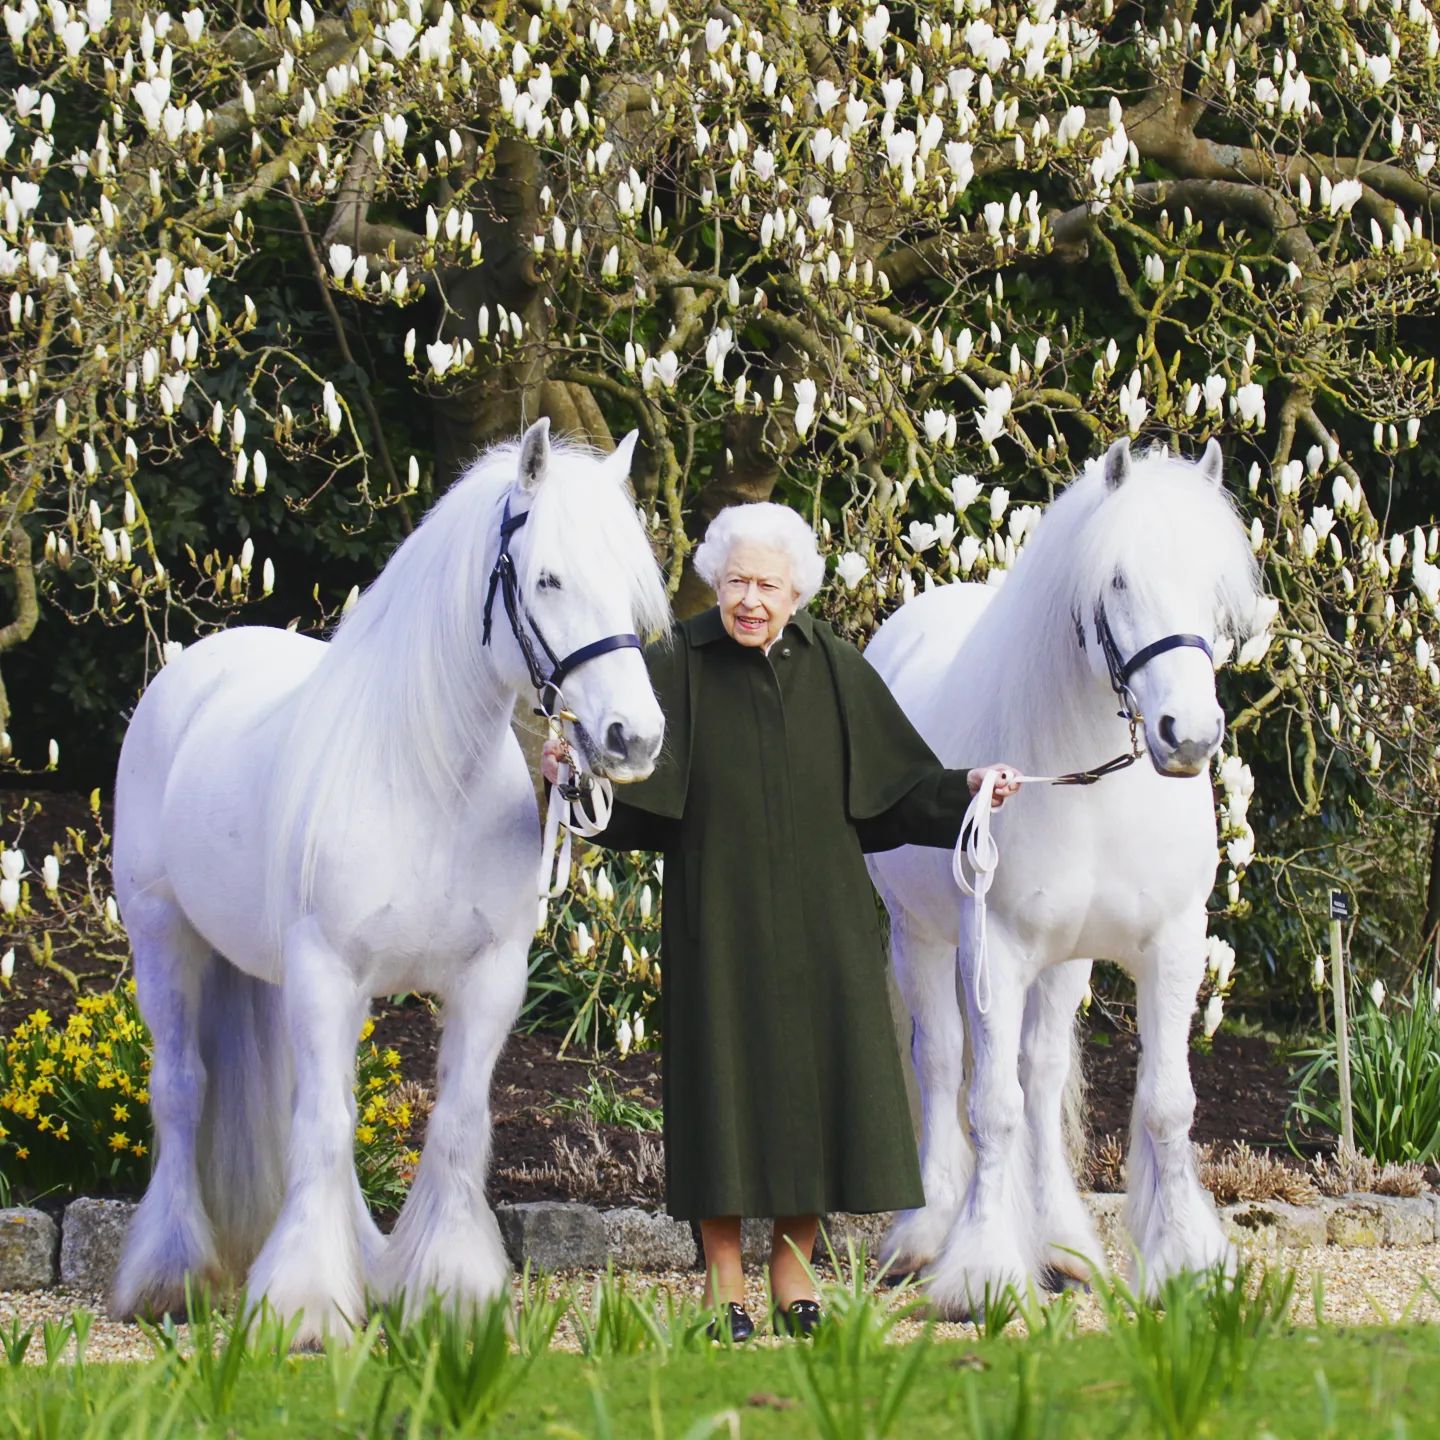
(1339, 905)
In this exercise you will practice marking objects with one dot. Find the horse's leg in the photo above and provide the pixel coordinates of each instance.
(170, 1236)
(1062, 1223)
(1170, 1217)
(311, 1262)
(991, 1244)
(925, 972)
(447, 1240)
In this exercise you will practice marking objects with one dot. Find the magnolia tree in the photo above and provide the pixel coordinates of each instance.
(905, 267)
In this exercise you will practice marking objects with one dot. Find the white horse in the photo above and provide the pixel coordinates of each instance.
(1134, 552)
(302, 826)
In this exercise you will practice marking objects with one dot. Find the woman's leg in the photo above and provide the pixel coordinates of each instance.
(791, 1249)
(724, 1269)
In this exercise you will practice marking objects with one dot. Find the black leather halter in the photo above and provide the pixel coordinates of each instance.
(1120, 672)
(528, 634)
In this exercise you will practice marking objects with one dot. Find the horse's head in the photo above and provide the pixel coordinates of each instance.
(1167, 577)
(583, 589)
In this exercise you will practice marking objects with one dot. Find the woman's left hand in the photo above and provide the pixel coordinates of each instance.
(1007, 782)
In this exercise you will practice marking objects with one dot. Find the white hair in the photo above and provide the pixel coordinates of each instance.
(776, 527)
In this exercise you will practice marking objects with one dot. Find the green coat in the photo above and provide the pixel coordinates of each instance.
(782, 1082)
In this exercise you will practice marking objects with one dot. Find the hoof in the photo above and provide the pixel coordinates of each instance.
(1057, 1281)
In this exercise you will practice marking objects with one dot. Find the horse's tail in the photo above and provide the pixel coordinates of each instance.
(245, 1124)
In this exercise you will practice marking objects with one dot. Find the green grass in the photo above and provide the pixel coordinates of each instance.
(1310, 1384)
(606, 1106)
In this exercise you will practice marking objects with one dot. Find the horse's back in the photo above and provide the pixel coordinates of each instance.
(920, 643)
(190, 717)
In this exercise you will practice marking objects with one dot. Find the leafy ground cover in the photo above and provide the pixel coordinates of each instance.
(1215, 1356)
(1305, 1383)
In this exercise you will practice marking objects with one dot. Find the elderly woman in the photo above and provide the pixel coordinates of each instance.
(786, 760)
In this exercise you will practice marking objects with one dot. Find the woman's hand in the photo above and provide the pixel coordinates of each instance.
(552, 756)
(1007, 782)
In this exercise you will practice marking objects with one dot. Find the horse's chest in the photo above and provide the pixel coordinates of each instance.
(411, 914)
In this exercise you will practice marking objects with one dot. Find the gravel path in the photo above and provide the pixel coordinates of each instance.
(1360, 1287)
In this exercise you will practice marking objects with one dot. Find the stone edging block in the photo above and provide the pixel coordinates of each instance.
(83, 1251)
(91, 1234)
(29, 1249)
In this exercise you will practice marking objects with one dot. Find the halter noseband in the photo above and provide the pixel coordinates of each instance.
(527, 633)
(1121, 671)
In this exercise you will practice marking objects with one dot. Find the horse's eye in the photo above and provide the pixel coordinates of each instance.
(1119, 581)
(547, 581)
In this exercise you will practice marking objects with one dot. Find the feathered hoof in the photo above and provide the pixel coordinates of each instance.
(914, 1240)
(157, 1298)
(970, 1292)
(1057, 1281)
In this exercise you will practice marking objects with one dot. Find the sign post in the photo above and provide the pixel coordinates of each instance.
(1340, 910)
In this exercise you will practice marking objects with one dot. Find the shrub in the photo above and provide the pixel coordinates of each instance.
(75, 1105)
(1394, 1081)
(595, 968)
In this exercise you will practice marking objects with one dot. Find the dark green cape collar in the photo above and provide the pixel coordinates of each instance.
(708, 626)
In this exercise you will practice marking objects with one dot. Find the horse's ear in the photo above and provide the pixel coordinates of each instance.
(1117, 464)
(1212, 463)
(534, 454)
(619, 460)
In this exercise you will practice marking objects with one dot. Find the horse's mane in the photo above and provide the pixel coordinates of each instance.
(1180, 546)
(406, 698)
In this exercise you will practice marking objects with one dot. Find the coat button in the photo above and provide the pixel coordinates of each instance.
(785, 653)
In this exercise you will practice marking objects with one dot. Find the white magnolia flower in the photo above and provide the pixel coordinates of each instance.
(171, 650)
(999, 499)
(852, 568)
(640, 1026)
(1249, 403)
(604, 890)
(584, 944)
(441, 355)
(1317, 973)
(921, 535)
(805, 392)
(647, 902)
(964, 491)
(9, 895)
(934, 425)
(7, 966)
(1214, 1013)
(12, 864)
(969, 553)
(991, 422)
(1377, 994)
(624, 1036)
(1219, 960)
(341, 259)
(875, 27)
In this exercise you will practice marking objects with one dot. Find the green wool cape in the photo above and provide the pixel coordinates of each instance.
(782, 1081)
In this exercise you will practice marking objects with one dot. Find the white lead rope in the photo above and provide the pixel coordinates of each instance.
(976, 848)
(564, 819)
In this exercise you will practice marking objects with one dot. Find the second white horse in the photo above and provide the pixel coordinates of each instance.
(1130, 580)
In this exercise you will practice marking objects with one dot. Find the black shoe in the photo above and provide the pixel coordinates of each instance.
(742, 1327)
(801, 1319)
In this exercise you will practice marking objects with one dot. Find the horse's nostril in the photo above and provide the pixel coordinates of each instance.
(1167, 730)
(615, 741)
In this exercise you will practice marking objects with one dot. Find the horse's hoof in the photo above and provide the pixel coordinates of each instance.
(1057, 1281)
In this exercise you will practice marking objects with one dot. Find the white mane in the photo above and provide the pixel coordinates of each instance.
(407, 698)
(1180, 547)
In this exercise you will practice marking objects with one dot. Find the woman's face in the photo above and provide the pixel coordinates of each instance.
(757, 594)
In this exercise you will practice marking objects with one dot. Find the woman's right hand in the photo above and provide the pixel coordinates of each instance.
(552, 756)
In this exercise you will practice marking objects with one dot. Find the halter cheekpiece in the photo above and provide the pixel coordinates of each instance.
(1121, 671)
(527, 633)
